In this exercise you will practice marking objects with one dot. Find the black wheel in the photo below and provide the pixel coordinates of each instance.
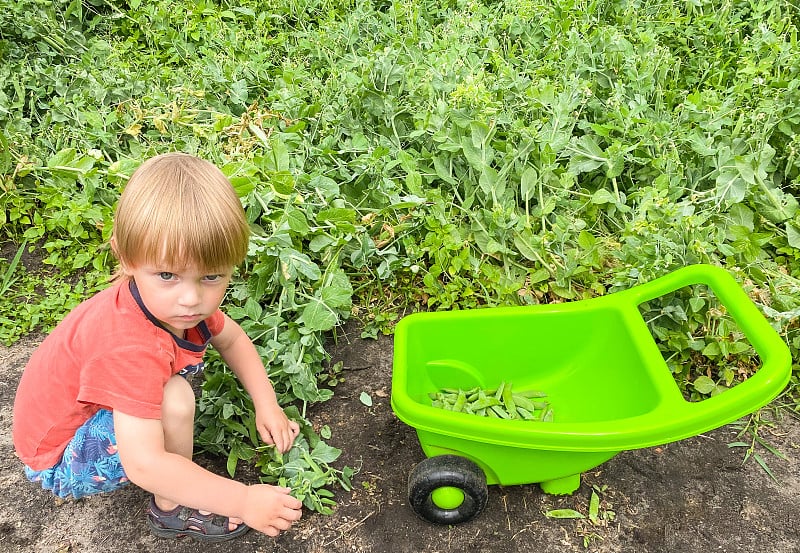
(447, 489)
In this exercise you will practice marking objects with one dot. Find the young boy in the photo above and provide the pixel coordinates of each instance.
(104, 400)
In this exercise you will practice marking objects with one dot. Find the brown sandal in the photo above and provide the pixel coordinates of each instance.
(183, 521)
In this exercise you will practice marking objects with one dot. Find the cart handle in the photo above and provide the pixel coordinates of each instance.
(759, 388)
(752, 322)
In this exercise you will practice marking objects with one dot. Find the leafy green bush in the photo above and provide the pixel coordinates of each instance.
(407, 155)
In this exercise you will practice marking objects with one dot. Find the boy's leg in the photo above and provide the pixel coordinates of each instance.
(177, 419)
(177, 416)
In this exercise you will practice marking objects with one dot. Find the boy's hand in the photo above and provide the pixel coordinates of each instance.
(275, 428)
(270, 509)
(239, 352)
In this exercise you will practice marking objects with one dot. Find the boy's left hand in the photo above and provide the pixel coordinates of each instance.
(275, 428)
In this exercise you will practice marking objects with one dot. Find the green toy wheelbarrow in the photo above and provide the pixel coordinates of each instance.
(607, 382)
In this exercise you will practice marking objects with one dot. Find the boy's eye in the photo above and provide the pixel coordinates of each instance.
(212, 278)
(164, 275)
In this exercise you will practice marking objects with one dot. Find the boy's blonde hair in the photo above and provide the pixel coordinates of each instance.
(178, 210)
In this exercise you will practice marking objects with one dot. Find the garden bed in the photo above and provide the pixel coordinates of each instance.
(694, 495)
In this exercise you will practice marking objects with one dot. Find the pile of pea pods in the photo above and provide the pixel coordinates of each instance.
(502, 402)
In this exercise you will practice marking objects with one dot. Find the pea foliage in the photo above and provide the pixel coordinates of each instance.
(408, 155)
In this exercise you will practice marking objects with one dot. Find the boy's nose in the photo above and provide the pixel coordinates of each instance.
(189, 296)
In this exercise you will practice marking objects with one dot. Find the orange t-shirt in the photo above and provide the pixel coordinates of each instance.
(108, 353)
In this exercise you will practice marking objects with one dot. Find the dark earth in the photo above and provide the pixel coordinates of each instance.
(694, 495)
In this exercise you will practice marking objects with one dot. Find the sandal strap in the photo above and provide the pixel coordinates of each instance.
(188, 520)
(190, 516)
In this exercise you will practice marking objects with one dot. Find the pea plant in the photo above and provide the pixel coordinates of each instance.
(412, 155)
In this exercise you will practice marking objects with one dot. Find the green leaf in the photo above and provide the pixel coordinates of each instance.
(443, 169)
(5, 155)
(318, 317)
(742, 216)
(324, 453)
(594, 507)
(712, 349)
(297, 221)
(522, 243)
(475, 156)
(586, 240)
(587, 155)
(62, 159)
(539, 275)
(366, 399)
(252, 309)
(603, 196)
(239, 168)
(704, 385)
(730, 189)
(294, 263)
(338, 294)
(793, 234)
(276, 159)
(233, 460)
(528, 183)
(326, 186)
(697, 304)
(336, 214)
(764, 466)
(283, 182)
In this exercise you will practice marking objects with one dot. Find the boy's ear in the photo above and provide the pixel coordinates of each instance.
(113, 243)
(122, 267)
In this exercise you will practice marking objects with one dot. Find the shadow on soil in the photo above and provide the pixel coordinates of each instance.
(694, 495)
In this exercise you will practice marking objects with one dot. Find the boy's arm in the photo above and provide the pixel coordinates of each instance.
(140, 443)
(241, 356)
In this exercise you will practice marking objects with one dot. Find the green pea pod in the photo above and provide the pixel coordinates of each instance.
(524, 402)
(461, 399)
(563, 513)
(508, 399)
(500, 412)
(531, 393)
(525, 414)
(485, 402)
(501, 402)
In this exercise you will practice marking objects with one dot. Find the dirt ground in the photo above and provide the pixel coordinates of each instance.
(692, 496)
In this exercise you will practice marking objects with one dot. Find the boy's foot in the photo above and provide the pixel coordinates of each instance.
(183, 521)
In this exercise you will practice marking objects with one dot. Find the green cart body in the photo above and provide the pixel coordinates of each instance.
(605, 378)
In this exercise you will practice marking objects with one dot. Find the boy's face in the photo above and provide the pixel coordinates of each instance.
(180, 298)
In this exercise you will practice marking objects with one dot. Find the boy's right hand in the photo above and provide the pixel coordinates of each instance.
(270, 509)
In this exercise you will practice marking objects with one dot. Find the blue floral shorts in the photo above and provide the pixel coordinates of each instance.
(90, 464)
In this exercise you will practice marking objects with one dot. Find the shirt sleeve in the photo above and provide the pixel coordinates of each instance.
(216, 322)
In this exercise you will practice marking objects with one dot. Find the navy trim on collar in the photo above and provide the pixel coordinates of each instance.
(202, 327)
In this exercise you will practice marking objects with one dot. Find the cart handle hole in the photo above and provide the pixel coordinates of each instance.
(703, 347)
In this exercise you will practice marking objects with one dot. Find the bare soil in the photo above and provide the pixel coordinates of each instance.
(693, 495)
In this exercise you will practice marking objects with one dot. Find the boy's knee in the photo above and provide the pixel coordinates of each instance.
(179, 401)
